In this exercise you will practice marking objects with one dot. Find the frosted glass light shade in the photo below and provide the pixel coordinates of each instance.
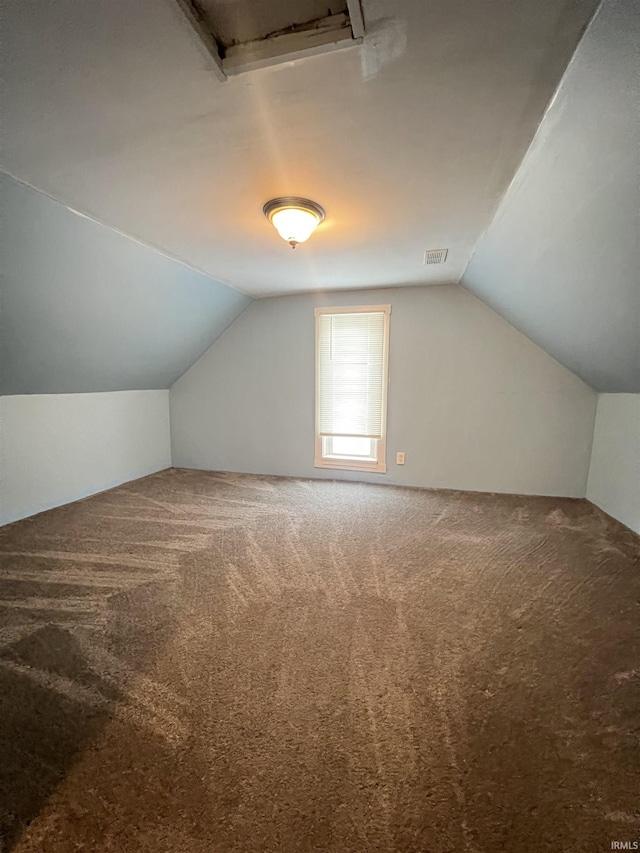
(295, 219)
(294, 225)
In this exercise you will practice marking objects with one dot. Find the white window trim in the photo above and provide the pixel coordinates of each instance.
(380, 466)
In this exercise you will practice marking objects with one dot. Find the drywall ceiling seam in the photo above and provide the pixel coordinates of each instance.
(512, 182)
(92, 218)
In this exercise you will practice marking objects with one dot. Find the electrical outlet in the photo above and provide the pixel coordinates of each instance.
(400, 458)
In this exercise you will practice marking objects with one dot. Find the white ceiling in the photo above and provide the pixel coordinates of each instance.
(409, 142)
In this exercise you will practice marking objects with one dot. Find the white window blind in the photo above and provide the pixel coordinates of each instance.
(351, 373)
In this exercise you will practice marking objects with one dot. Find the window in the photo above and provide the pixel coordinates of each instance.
(352, 354)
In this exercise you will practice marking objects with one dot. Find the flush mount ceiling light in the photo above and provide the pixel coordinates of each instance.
(295, 219)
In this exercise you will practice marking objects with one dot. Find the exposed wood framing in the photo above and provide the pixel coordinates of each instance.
(357, 21)
(331, 33)
(335, 32)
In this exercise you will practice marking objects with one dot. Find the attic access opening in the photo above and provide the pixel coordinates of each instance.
(242, 35)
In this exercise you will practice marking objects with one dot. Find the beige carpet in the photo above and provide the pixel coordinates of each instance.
(233, 664)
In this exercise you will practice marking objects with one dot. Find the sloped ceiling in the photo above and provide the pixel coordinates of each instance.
(561, 260)
(85, 308)
(409, 141)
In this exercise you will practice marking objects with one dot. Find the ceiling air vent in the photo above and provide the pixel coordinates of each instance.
(435, 256)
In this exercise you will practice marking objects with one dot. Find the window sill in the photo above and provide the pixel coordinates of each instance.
(351, 465)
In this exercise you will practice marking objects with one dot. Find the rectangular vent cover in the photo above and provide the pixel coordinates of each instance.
(435, 256)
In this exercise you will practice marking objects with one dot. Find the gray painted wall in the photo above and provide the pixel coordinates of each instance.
(614, 476)
(57, 448)
(561, 260)
(85, 308)
(472, 402)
